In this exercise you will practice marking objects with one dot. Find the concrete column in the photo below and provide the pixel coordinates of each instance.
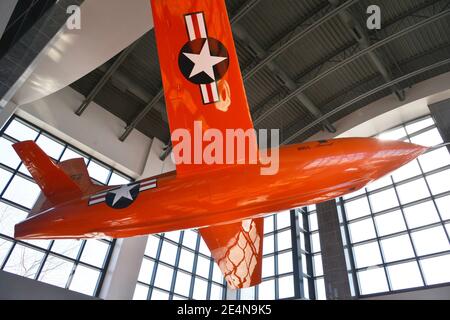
(337, 285)
(123, 269)
(440, 112)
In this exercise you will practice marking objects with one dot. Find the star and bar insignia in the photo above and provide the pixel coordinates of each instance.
(203, 60)
(123, 196)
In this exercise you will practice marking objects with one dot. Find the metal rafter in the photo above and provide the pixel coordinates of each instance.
(106, 76)
(366, 95)
(358, 32)
(349, 60)
(284, 79)
(241, 12)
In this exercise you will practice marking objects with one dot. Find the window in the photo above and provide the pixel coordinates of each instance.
(411, 223)
(71, 264)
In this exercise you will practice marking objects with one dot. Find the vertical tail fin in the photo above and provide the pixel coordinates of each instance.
(59, 183)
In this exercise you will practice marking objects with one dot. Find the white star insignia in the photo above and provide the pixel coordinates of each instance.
(204, 61)
(122, 192)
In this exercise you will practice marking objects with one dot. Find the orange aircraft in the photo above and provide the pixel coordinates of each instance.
(226, 202)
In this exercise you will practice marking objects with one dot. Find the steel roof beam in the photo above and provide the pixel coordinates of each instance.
(288, 41)
(366, 95)
(284, 78)
(104, 79)
(358, 32)
(240, 13)
(349, 60)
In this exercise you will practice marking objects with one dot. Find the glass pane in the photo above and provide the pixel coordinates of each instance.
(362, 230)
(403, 276)
(117, 179)
(200, 289)
(421, 214)
(216, 292)
(20, 131)
(284, 240)
(22, 191)
(380, 183)
(168, 253)
(186, 260)
(163, 278)
(183, 284)
(428, 138)
(443, 205)
(394, 134)
(286, 287)
(389, 223)
(204, 248)
(68, 248)
(95, 252)
(419, 125)
(285, 264)
(268, 268)
(141, 292)
(397, 248)
(84, 280)
(98, 172)
(283, 219)
(9, 216)
(190, 239)
(357, 208)
(4, 178)
(315, 242)
(266, 290)
(320, 289)
(56, 271)
(268, 244)
(268, 224)
(248, 293)
(174, 235)
(146, 271)
(159, 295)
(51, 147)
(217, 274)
(439, 182)
(412, 191)
(71, 154)
(409, 170)
(430, 241)
(383, 200)
(372, 281)
(436, 269)
(152, 246)
(367, 255)
(24, 261)
(8, 156)
(203, 265)
(435, 159)
(317, 265)
(5, 246)
(313, 225)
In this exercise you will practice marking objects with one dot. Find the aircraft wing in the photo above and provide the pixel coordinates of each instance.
(201, 77)
(237, 249)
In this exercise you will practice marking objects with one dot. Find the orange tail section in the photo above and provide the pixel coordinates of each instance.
(59, 183)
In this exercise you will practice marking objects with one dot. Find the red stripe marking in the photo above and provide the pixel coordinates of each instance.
(196, 26)
(210, 94)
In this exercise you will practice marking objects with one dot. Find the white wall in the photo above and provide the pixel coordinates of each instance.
(95, 132)
(389, 112)
(438, 293)
(107, 27)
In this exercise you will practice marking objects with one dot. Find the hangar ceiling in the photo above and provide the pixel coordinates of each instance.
(305, 64)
